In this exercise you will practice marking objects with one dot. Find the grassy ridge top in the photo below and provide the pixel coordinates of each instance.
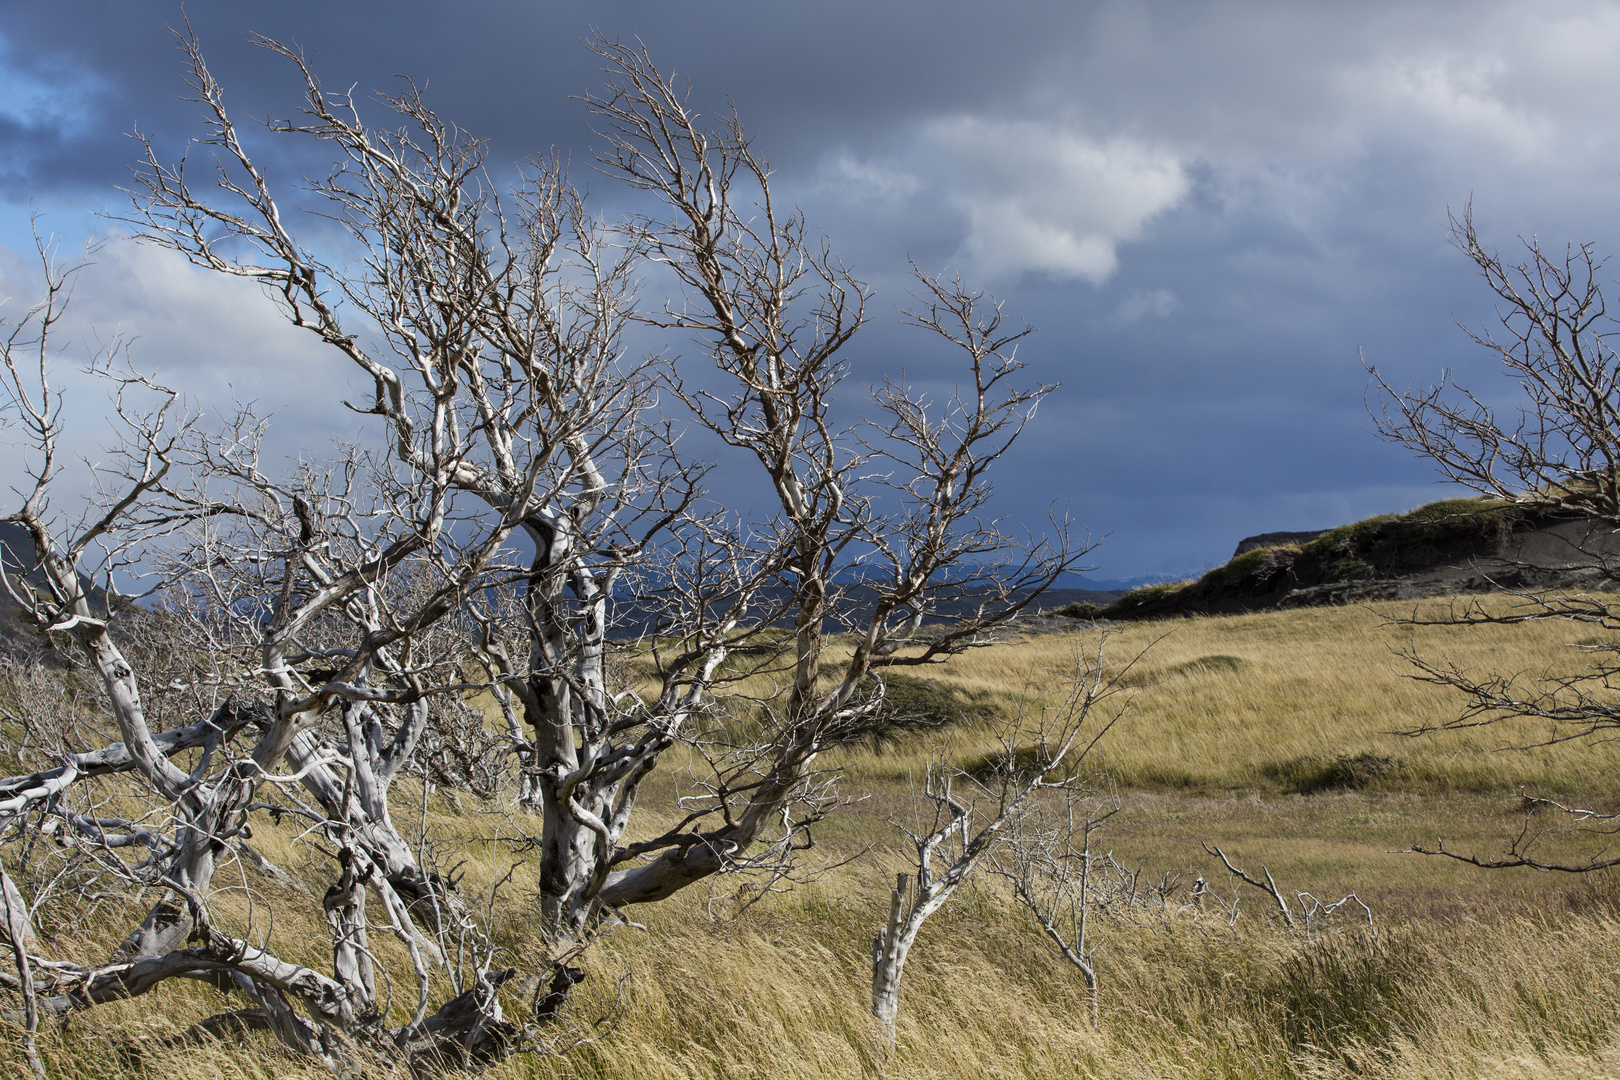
(1382, 547)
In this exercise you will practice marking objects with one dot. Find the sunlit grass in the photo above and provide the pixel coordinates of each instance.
(1469, 974)
(1230, 702)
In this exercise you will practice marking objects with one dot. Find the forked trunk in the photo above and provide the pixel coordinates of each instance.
(569, 857)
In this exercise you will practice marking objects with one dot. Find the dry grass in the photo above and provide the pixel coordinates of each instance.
(1232, 702)
(1469, 974)
(780, 994)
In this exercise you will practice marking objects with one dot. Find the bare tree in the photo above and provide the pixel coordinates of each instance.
(774, 310)
(969, 817)
(1558, 451)
(518, 521)
(1555, 455)
(17, 933)
(1309, 912)
(1058, 875)
(312, 583)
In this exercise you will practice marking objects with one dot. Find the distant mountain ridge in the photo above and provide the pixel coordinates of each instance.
(18, 633)
(1092, 583)
(17, 556)
(1455, 546)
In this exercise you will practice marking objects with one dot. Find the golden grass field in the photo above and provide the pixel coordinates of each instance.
(1466, 973)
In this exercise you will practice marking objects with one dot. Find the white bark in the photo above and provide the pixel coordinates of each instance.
(946, 853)
(19, 932)
(335, 601)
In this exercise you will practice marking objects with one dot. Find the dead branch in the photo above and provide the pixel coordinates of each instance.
(1043, 749)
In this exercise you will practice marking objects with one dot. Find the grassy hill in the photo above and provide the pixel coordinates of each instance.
(1443, 548)
(1278, 735)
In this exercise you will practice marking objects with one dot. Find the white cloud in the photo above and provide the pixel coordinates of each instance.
(1455, 97)
(1037, 197)
(1046, 198)
(1141, 304)
(213, 335)
(1013, 234)
(215, 339)
(864, 180)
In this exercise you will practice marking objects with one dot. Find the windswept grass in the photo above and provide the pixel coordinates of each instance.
(1276, 735)
(781, 993)
(1258, 701)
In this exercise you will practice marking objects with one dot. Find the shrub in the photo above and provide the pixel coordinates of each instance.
(1254, 568)
(912, 705)
(988, 767)
(1342, 772)
(1400, 543)
(1217, 664)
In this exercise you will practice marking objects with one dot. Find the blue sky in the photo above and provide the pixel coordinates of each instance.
(1209, 211)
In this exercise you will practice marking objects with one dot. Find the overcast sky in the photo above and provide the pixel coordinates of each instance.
(1210, 211)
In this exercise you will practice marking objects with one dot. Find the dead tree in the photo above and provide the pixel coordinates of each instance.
(971, 816)
(1555, 455)
(274, 584)
(18, 933)
(327, 617)
(774, 310)
(1057, 874)
(1558, 451)
(1309, 912)
(539, 416)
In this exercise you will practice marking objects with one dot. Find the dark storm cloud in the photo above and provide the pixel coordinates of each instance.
(1208, 210)
(507, 70)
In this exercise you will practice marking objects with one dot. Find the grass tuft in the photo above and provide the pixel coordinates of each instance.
(1342, 772)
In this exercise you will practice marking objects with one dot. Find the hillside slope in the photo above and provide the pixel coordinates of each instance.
(19, 637)
(1445, 548)
(1239, 734)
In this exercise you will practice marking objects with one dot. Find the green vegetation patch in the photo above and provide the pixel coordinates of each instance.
(1254, 568)
(1342, 993)
(1146, 596)
(1403, 543)
(1022, 764)
(1218, 664)
(1388, 545)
